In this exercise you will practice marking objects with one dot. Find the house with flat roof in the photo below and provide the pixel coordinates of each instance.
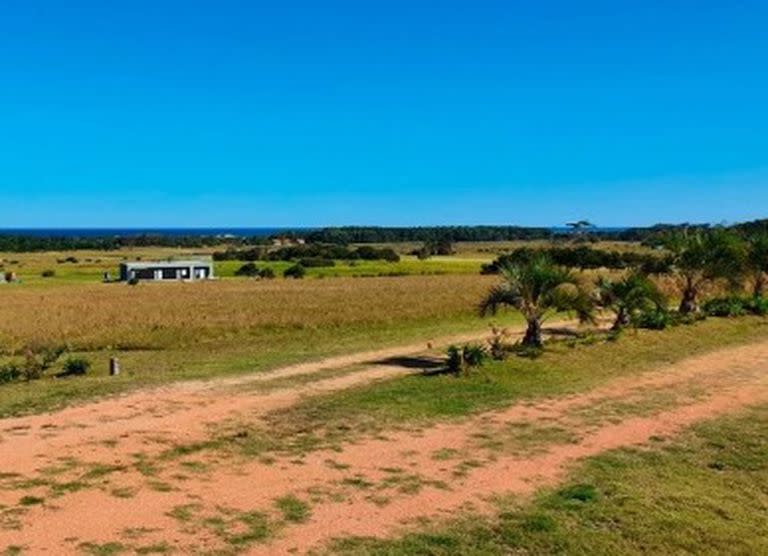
(166, 270)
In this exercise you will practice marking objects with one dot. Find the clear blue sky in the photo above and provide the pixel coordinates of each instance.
(249, 113)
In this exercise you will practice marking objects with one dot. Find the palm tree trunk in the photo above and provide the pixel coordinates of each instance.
(688, 304)
(759, 285)
(532, 336)
(622, 319)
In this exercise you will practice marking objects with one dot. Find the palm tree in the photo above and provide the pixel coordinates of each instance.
(629, 296)
(699, 257)
(756, 262)
(537, 288)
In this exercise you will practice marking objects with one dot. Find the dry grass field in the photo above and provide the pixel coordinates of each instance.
(171, 331)
(285, 416)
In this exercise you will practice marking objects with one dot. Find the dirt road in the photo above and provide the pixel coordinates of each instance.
(95, 474)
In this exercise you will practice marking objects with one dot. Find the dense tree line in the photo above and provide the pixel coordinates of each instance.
(584, 257)
(308, 252)
(20, 243)
(432, 235)
(538, 282)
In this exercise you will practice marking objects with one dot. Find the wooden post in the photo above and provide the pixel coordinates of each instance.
(114, 366)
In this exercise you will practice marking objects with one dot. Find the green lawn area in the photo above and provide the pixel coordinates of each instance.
(406, 266)
(703, 492)
(91, 266)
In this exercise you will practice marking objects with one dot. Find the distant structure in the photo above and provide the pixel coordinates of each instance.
(285, 241)
(166, 270)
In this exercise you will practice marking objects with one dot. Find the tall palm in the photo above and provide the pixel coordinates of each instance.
(756, 263)
(629, 296)
(699, 257)
(538, 288)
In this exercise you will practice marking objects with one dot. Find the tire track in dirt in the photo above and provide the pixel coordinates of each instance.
(149, 420)
(733, 378)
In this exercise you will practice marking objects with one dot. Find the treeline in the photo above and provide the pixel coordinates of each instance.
(374, 234)
(308, 252)
(585, 257)
(19, 243)
(450, 234)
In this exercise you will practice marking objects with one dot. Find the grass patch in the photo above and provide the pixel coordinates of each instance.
(31, 501)
(293, 509)
(705, 492)
(106, 549)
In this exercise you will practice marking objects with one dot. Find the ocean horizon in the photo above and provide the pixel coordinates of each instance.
(232, 231)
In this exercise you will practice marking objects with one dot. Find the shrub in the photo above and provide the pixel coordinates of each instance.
(76, 366)
(500, 344)
(462, 359)
(37, 360)
(134, 281)
(266, 273)
(657, 319)
(48, 273)
(735, 306)
(296, 271)
(732, 306)
(758, 306)
(248, 269)
(9, 373)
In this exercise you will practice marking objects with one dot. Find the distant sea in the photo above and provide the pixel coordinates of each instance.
(128, 232)
(236, 232)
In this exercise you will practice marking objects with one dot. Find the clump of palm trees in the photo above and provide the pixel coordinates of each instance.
(538, 288)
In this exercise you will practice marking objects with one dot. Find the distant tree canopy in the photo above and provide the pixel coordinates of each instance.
(22, 242)
(314, 252)
(583, 257)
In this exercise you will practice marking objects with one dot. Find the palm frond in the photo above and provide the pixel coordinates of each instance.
(497, 297)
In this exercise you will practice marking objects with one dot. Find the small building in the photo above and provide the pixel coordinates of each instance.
(166, 270)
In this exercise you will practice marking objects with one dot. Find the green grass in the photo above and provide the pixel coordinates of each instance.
(91, 266)
(363, 269)
(705, 492)
(293, 509)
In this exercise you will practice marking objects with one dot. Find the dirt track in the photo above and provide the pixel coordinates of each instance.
(369, 488)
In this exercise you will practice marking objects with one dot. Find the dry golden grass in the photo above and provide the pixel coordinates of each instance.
(176, 315)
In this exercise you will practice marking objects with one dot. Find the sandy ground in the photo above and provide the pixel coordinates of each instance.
(96, 473)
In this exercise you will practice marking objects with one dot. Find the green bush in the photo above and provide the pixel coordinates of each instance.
(248, 269)
(266, 273)
(48, 273)
(296, 271)
(732, 306)
(657, 319)
(462, 359)
(9, 373)
(76, 366)
(758, 306)
(37, 360)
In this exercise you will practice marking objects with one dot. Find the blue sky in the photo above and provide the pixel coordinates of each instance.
(248, 113)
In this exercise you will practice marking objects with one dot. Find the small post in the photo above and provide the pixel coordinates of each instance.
(114, 366)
